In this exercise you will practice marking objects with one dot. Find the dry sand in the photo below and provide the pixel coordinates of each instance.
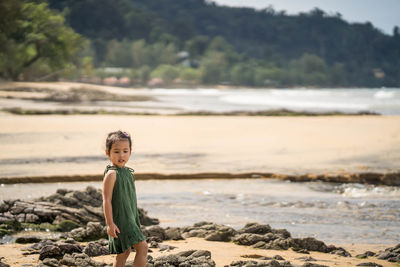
(65, 145)
(223, 253)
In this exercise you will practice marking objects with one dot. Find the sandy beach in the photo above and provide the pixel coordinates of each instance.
(223, 253)
(50, 145)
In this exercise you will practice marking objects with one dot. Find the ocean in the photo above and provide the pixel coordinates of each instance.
(333, 213)
(385, 101)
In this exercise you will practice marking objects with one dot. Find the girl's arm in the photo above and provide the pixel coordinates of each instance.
(108, 186)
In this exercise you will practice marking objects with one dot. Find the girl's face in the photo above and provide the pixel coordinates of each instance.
(119, 153)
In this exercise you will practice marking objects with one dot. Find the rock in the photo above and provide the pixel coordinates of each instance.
(279, 239)
(164, 247)
(391, 254)
(259, 244)
(309, 264)
(278, 257)
(202, 223)
(62, 191)
(68, 260)
(97, 248)
(256, 228)
(185, 253)
(93, 231)
(309, 258)
(155, 231)
(50, 251)
(281, 232)
(256, 256)
(210, 231)
(51, 262)
(195, 233)
(67, 225)
(21, 217)
(311, 244)
(70, 241)
(200, 253)
(248, 239)
(17, 208)
(303, 251)
(68, 248)
(243, 263)
(31, 218)
(28, 239)
(281, 243)
(145, 219)
(153, 244)
(369, 264)
(184, 259)
(339, 251)
(386, 255)
(256, 264)
(222, 233)
(168, 259)
(38, 246)
(2, 264)
(80, 260)
(3, 206)
(7, 217)
(75, 207)
(173, 233)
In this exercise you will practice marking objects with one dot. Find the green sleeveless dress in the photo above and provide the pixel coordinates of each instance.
(125, 211)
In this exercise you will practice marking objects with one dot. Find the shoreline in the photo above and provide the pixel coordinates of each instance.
(389, 178)
(69, 231)
(178, 86)
(242, 113)
(223, 253)
(76, 98)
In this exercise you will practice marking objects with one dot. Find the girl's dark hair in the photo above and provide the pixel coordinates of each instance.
(114, 137)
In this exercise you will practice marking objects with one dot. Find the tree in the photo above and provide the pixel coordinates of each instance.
(213, 66)
(166, 72)
(30, 33)
(242, 73)
(119, 54)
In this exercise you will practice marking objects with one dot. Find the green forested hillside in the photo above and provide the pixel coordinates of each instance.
(228, 45)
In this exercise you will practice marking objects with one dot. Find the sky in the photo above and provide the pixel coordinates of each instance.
(383, 14)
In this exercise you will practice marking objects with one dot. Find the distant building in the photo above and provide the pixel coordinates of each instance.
(378, 73)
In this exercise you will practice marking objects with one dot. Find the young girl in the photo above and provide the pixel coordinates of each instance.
(119, 203)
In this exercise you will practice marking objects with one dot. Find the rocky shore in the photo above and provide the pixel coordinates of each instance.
(389, 178)
(78, 219)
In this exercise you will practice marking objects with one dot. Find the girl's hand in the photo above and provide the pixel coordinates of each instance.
(112, 230)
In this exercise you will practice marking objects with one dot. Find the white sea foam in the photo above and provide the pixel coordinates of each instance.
(365, 191)
(384, 94)
(199, 91)
(306, 103)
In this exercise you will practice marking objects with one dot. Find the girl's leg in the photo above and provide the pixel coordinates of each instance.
(141, 249)
(121, 258)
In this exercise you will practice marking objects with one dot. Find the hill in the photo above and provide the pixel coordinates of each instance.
(345, 54)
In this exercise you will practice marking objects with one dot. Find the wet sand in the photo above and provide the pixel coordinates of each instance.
(56, 145)
(223, 253)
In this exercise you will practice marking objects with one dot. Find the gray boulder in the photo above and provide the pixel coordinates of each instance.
(80, 260)
(183, 259)
(97, 248)
(391, 254)
(210, 231)
(173, 233)
(93, 231)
